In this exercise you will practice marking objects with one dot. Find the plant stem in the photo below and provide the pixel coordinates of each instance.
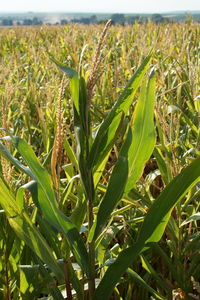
(7, 277)
(67, 280)
(91, 197)
(91, 246)
(91, 279)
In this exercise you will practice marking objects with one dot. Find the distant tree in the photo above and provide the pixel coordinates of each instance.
(30, 22)
(36, 21)
(63, 22)
(157, 18)
(196, 18)
(118, 19)
(27, 22)
(82, 21)
(102, 22)
(93, 19)
(7, 22)
(85, 21)
(132, 19)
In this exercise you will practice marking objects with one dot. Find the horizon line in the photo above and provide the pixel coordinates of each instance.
(104, 12)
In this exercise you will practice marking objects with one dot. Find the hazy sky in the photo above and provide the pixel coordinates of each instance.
(128, 6)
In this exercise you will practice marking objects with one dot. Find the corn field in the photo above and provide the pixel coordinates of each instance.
(100, 162)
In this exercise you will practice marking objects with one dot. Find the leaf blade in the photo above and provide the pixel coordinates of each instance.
(48, 205)
(104, 142)
(177, 188)
(136, 150)
(26, 231)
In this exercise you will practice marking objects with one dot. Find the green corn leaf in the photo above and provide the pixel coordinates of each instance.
(148, 267)
(32, 187)
(74, 80)
(143, 283)
(106, 134)
(193, 218)
(49, 233)
(31, 283)
(82, 133)
(76, 283)
(135, 152)
(70, 154)
(26, 231)
(152, 228)
(48, 204)
(69, 71)
(14, 161)
(164, 204)
(99, 169)
(164, 169)
(170, 264)
(79, 212)
(143, 133)
(115, 188)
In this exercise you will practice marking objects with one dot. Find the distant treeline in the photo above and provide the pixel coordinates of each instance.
(116, 19)
(25, 22)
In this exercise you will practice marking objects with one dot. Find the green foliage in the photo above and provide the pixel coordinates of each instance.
(123, 220)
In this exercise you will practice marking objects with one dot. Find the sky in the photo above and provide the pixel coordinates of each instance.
(114, 6)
